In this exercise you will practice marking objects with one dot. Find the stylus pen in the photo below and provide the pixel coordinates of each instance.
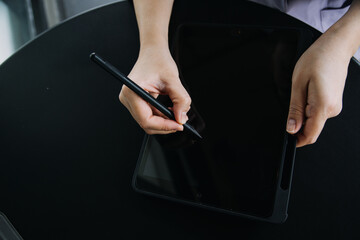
(139, 91)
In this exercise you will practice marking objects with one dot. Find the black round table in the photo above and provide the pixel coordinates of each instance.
(68, 148)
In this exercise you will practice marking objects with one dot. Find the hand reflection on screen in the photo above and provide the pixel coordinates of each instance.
(283, 62)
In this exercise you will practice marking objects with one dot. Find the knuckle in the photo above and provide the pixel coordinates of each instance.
(122, 98)
(333, 109)
(311, 140)
(187, 100)
(165, 128)
(148, 131)
(123, 95)
(144, 125)
(296, 110)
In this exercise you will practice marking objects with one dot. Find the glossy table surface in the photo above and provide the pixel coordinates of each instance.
(68, 148)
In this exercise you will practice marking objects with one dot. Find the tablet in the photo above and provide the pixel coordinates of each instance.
(7, 230)
(239, 79)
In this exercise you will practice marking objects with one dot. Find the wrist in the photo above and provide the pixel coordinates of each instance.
(156, 44)
(347, 30)
(346, 38)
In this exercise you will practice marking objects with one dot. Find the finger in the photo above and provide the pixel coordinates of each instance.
(159, 125)
(155, 95)
(154, 109)
(296, 108)
(143, 113)
(181, 101)
(153, 132)
(312, 128)
(157, 112)
(152, 124)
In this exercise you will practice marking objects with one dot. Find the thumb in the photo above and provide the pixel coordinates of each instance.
(296, 110)
(181, 101)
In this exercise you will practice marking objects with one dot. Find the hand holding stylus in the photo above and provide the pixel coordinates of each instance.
(156, 72)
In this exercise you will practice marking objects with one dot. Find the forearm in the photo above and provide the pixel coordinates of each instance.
(345, 33)
(153, 21)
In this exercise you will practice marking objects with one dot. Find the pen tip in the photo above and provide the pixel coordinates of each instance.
(92, 55)
(191, 129)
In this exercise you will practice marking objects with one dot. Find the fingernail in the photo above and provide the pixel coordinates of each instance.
(184, 118)
(291, 124)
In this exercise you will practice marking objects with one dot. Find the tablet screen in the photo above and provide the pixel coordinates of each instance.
(239, 79)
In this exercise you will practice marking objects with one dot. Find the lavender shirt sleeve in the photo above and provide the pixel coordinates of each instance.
(320, 14)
